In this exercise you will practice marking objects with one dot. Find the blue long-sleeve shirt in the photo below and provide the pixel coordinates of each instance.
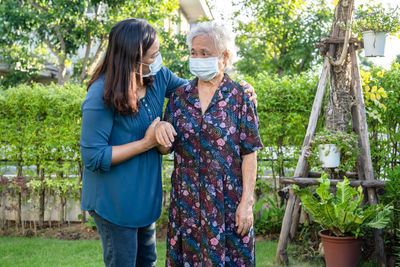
(128, 194)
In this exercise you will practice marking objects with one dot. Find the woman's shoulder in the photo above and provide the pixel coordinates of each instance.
(94, 96)
(164, 74)
(97, 87)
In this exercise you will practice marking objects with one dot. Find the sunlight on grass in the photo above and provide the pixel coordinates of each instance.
(19, 251)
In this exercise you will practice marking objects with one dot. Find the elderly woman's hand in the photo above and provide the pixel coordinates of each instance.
(244, 218)
(250, 91)
(165, 133)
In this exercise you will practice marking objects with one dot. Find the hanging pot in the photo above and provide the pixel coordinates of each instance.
(374, 43)
(329, 155)
(342, 251)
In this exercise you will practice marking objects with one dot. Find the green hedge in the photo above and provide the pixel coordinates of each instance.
(39, 133)
(40, 125)
(284, 106)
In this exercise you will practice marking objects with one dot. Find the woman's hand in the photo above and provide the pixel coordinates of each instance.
(250, 91)
(150, 135)
(165, 133)
(244, 218)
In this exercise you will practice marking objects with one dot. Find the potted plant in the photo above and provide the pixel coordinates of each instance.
(342, 218)
(333, 149)
(373, 23)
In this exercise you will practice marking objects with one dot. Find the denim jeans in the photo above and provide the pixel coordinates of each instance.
(125, 246)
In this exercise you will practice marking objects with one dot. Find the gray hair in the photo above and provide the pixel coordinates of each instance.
(223, 38)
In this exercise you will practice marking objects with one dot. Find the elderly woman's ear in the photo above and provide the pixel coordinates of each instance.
(226, 56)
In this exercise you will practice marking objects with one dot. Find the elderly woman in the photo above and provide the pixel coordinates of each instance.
(215, 167)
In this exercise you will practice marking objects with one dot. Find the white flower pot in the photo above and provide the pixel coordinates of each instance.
(329, 156)
(374, 43)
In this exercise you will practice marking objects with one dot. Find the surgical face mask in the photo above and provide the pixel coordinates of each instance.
(204, 68)
(154, 67)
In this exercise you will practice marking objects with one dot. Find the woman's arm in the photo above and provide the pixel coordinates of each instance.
(250, 91)
(124, 152)
(244, 212)
(165, 131)
(97, 124)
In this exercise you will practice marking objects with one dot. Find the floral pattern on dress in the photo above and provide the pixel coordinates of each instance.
(207, 177)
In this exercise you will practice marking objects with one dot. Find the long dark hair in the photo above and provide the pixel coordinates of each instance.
(128, 42)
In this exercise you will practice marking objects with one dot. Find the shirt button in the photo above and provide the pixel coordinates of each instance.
(149, 110)
(145, 105)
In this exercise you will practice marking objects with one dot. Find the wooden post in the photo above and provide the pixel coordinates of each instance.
(301, 163)
(296, 209)
(295, 218)
(306, 181)
(361, 127)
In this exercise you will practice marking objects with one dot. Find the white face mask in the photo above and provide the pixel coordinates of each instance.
(154, 67)
(204, 68)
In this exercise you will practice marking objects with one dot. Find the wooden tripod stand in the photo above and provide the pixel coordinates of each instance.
(345, 69)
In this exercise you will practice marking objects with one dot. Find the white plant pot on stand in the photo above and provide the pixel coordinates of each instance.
(329, 156)
(374, 43)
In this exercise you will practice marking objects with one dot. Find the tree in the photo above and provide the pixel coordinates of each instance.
(280, 36)
(65, 27)
(175, 53)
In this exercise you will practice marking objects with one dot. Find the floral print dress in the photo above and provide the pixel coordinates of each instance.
(207, 177)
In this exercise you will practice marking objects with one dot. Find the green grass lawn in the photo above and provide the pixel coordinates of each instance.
(20, 251)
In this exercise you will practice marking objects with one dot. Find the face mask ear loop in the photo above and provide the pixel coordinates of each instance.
(141, 65)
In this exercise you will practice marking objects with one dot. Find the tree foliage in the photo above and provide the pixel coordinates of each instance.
(175, 53)
(65, 27)
(382, 97)
(280, 35)
(285, 104)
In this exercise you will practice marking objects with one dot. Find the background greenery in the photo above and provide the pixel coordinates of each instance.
(40, 124)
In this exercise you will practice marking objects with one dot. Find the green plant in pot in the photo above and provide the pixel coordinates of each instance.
(333, 149)
(373, 23)
(342, 218)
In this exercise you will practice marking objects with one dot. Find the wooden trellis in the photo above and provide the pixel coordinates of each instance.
(345, 80)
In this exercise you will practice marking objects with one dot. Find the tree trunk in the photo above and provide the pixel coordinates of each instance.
(19, 195)
(97, 56)
(3, 209)
(80, 169)
(41, 199)
(62, 70)
(85, 61)
(338, 110)
(63, 202)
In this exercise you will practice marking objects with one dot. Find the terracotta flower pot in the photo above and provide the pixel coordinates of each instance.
(340, 251)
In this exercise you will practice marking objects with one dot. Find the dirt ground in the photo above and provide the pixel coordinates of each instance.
(72, 231)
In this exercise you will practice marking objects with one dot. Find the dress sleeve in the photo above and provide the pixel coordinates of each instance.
(173, 82)
(250, 139)
(169, 113)
(97, 123)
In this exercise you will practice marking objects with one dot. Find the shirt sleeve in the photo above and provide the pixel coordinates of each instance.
(173, 82)
(97, 123)
(250, 139)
